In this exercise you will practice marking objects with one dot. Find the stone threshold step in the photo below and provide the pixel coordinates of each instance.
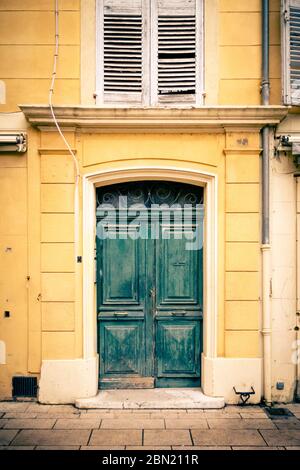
(158, 398)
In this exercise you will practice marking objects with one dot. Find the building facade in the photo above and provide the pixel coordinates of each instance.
(156, 99)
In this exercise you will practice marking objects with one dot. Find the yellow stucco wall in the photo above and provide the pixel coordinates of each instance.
(27, 47)
(232, 35)
(53, 314)
(238, 227)
(240, 37)
(13, 259)
(41, 283)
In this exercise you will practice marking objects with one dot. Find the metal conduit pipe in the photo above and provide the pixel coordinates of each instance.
(265, 84)
(266, 252)
(297, 339)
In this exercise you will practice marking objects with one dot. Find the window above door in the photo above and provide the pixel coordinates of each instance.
(149, 52)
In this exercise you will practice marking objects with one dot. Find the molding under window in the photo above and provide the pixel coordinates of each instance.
(153, 120)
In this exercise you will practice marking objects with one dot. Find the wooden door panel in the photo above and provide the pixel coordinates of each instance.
(149, 290)
(121, 348)
(121, 272)
(179, 272)
(122, 309)
(178, 348)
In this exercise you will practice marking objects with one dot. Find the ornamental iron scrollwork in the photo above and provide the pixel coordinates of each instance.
(147, 193)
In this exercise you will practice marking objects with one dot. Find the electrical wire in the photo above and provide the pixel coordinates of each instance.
(51, 92)
(75, 161)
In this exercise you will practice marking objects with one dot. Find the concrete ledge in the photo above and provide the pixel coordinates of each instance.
(63, 381)
(156, 398)
(153, 119)
(222, 374)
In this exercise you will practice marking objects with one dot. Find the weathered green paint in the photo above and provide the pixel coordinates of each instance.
(122, 343)
(178, 351)
(149, 295)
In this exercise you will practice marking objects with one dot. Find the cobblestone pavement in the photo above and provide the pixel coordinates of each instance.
(27, 425)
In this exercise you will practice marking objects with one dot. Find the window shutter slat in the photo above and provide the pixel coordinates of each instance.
(149, 52)
(295, 52)
(176, 7)
(121, 7)
(122, 50)
(176, 32)
(291, 51)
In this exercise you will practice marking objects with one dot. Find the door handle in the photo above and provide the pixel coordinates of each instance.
(120, 314)
(179, 314)
(152, 293)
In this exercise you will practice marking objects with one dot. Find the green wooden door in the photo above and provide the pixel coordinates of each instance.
(149, 289)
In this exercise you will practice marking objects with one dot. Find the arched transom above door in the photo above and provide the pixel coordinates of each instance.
(147, 193)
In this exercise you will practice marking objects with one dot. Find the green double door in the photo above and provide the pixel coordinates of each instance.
(149, 301)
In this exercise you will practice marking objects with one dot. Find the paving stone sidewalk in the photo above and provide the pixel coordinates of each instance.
(31, 426)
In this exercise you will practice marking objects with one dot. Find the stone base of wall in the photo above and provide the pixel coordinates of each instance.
(64, 381)
(220, 375)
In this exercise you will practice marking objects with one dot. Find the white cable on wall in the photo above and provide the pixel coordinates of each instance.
(51, 91)
(75, 161)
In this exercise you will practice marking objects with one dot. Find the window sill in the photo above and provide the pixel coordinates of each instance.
(155, 120)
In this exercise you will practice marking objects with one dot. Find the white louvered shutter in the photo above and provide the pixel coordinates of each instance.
(177, 51)
(291, 51)
(122, 51)
(149, 52)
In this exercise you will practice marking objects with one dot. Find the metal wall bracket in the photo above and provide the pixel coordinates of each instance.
(13, 142)
(244, 396)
